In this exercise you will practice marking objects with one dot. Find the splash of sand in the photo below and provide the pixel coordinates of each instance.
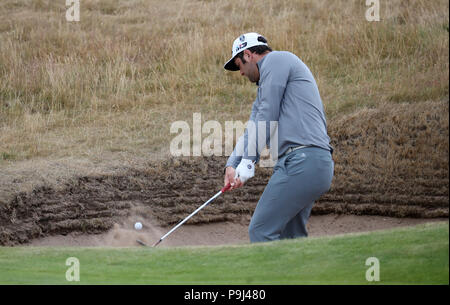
(125, 235)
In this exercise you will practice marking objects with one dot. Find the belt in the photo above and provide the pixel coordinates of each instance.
(291, 149)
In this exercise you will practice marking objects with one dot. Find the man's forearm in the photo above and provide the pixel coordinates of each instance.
(236, 155)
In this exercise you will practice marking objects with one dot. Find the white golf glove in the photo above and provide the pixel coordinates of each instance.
(245, 170)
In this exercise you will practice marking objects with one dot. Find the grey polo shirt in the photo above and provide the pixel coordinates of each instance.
(288, 97)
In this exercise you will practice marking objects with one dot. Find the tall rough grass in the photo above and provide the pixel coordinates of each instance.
(116, 80)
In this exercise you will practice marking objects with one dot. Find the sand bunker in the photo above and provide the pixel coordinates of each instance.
(224, 233)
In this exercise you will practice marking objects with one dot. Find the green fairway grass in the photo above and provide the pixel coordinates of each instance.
(413, 255)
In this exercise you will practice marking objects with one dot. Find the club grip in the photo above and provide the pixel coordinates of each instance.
(226, 188)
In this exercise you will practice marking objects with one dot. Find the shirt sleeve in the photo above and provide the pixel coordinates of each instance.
(273, 82)
(238, 152)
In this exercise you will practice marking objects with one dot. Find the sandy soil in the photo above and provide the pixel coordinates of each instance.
(222, 233)
(169, 191)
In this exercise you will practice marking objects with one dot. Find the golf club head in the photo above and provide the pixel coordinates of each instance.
(141, 243)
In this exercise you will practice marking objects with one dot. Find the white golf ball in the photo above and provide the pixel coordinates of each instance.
(138, 225)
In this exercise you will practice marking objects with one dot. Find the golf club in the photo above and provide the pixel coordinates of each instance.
(141, 243)
(223, 190)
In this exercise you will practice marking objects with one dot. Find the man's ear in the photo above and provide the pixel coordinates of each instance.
(237, 61)
(249, 55)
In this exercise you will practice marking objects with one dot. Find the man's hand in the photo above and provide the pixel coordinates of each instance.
(230, 173)
(245, 170)
(237, 177)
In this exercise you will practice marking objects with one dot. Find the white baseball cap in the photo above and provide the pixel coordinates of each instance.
(242, 43)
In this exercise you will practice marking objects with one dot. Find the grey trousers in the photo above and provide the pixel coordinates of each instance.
(299, 178)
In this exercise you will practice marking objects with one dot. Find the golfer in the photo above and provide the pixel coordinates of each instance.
(287, 97)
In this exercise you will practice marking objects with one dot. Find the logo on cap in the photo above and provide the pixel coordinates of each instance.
(242, 38)
(241, 46)
(249, 166)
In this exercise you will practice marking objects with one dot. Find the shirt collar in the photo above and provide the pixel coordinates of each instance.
(259, 64)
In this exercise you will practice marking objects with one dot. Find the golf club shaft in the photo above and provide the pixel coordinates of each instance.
(223, 190)
(192, 214)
